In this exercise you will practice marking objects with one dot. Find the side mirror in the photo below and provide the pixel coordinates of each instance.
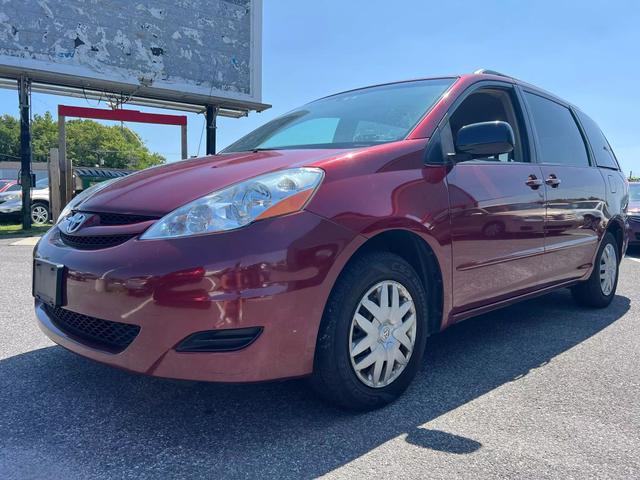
(485, 138)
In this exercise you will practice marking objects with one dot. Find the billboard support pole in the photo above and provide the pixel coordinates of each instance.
(211, 115)
(24, 90)
(183, 141)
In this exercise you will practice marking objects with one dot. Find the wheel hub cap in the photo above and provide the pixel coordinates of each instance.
(608, 269)
(383, 334)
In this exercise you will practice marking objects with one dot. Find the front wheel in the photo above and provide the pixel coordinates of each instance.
(39, 213)
(598, 291)
(373, 333)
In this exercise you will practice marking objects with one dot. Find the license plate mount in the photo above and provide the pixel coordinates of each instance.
(48, 283)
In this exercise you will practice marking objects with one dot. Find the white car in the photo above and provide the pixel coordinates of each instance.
(11, 202)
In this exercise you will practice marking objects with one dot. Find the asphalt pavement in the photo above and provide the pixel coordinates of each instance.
(542, 389)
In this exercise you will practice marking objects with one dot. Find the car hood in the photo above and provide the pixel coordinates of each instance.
(159, 190)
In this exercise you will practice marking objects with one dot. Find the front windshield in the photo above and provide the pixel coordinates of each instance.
(634, 192)
(359, 118)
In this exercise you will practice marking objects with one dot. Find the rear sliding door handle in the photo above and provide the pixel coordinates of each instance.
(552, 181)
(533, 182)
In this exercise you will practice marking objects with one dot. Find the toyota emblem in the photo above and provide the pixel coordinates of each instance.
(74, 222)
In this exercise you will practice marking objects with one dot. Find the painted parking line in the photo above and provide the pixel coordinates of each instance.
(29, 242)
(633, 258)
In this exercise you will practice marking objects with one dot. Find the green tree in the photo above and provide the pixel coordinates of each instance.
(89, 143)
(44, 135)
(9, 137)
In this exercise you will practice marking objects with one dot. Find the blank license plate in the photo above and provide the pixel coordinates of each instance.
(47, 282)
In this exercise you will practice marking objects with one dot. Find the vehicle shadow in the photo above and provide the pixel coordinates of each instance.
(633, 251)
(66, 416)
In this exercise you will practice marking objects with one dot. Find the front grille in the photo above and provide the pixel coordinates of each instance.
(122, 218)
(113, 337)
(94, 242)
(635, 218)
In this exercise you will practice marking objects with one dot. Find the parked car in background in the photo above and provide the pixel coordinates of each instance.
(634, 213)
(10, 193)
(6, 184)
(83, 177)
(11, 202)
(332, 241)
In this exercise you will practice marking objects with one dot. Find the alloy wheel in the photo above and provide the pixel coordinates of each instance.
(39, 214)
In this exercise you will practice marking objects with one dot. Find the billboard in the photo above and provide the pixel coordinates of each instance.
(202, 52)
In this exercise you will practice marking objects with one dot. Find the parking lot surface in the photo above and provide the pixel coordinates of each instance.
(543, 389)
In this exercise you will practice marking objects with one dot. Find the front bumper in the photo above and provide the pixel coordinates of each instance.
(11, 207)
(275, 274)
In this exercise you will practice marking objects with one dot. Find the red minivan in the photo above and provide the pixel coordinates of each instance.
(334, 240)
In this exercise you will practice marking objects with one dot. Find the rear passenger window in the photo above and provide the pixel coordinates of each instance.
(559, 138)
(601, 148)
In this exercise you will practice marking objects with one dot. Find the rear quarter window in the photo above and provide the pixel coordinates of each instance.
(602, 151)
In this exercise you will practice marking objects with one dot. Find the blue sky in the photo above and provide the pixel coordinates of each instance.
(585, 52)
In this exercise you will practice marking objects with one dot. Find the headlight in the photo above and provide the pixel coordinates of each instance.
(269, 195)
(82, 196)
(13, 196)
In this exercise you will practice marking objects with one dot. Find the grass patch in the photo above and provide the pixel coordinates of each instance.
(15, 230)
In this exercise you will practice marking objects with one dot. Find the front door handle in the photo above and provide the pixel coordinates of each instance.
(552, 181)
(533, 182)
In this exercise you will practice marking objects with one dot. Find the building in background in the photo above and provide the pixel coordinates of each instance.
(11, 170)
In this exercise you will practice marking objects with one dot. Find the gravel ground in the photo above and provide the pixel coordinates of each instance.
(542, 389)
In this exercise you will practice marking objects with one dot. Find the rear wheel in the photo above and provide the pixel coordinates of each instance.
(39, 213)
(373, 333)
(598, 291)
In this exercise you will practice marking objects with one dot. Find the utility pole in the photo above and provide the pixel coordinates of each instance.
(211, 115)
(24, 92)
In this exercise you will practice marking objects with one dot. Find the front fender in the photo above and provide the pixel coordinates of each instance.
(401, 195)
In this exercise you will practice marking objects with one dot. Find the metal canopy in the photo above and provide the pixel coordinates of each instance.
(100, 172)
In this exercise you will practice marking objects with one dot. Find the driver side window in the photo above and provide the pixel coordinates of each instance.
(487, 105)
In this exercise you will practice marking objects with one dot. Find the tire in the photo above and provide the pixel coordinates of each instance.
(335, 375)
(592, 292)
(40, 213)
